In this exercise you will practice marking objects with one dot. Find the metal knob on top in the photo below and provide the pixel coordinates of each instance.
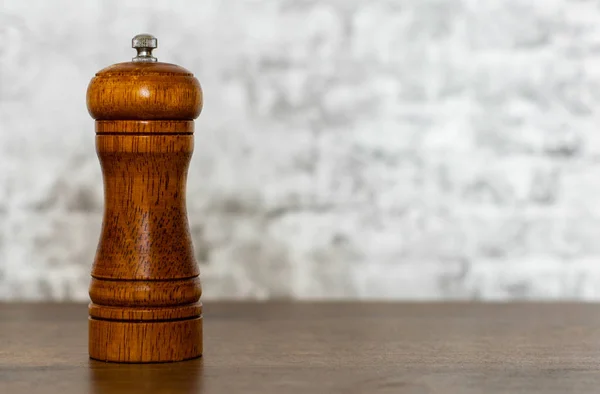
(144, 44)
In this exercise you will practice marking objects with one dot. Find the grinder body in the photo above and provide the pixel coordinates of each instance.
(145, 288)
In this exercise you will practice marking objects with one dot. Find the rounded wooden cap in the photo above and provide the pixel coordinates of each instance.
(144, 90)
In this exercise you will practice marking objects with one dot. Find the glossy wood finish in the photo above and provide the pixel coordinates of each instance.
(145, 287)
(144, 91)
(323, 348)
(145, 232)
(147, 341)
(144, 127)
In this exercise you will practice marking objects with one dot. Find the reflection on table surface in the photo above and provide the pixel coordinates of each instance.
(181, 377)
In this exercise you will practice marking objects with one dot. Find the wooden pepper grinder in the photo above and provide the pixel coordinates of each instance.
(145, 288)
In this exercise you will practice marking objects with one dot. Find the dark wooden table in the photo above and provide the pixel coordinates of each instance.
(322, 348)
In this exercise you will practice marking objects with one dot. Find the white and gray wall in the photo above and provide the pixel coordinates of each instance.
(408, 149)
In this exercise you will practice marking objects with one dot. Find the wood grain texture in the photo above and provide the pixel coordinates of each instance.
(145, 293)
(149, 313)
(145, 233)
(144, 91)
(145, 341)
(144, 126)
(323, 348)
(145, 287)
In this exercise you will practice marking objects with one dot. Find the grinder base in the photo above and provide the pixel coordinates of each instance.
(144, 341)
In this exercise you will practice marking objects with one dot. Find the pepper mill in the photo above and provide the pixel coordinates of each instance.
(145, 287)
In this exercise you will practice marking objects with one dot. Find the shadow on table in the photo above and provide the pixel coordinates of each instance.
(180, 377)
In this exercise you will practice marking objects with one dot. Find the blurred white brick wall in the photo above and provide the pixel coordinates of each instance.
(410, 149)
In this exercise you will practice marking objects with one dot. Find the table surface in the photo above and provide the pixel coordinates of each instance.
(322, 348)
